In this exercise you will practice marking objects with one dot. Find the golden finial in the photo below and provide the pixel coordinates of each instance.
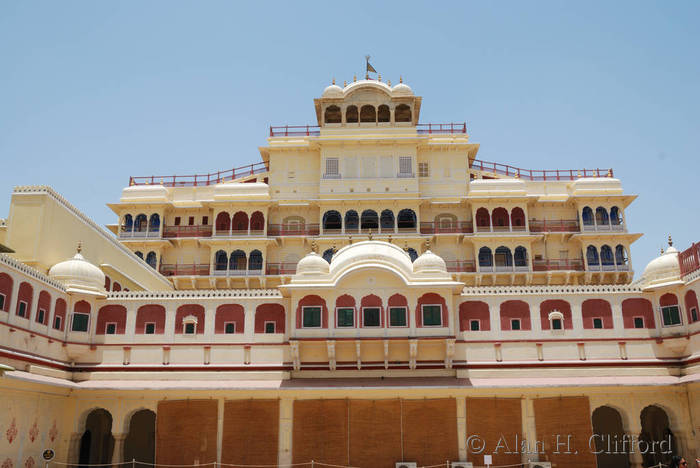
(388, 82)
(333, 80)
(670, 241)
(405, 245)
(400, 79)
(131, 182)
(389, 240)
(662, 250)
(609, 172)
(517, 175)
(334, 249)
(350, 240)
(379, 77)
(427, 244)
(80, 246)
(370, 234)
(354, 78)
(314, 247)
(345, 84)
(161, 181)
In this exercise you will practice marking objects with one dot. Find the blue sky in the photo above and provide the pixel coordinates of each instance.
(93, 92)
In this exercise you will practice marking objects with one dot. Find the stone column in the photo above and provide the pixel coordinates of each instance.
(529, 430)
(74, 448)
(286, 421)
(118, 453)
(462, 427)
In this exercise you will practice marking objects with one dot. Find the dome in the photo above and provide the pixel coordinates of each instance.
(429, 263)
(663, 269)
(333, 91)
(402, 89)
(312, 264)
(79, 275)
(374, 252)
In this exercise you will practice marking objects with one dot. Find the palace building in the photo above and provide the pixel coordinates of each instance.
(369, 294)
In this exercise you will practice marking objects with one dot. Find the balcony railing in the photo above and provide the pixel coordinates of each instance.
(238, 232)
(690, 259)
(557, 265)
(448, 128)
(295, 130)
(608, 267)
(201, 179)
(554, 225)
(501, 229)
(138, 234)
(504, 268)
(184, 269)
(530, 174)
(218, 271)
(458, 227)
(281, 268)
(275, 230)
(603, 227)
(460, 266)
(187, 231)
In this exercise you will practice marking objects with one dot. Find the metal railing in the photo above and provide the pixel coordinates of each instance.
(184, 269)
(457, 227)
(460, 266)
(689, 259)
(201, 179)
(295, 130)
(539, 175)
(448, 128)
(202, 230)
(224, 271)
(608, 267)
(275, 230)
(139, 234)
(281, 268)
(554, 225)
(557, 265)
(603, 227)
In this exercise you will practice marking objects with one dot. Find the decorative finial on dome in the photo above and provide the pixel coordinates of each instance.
(80, 246)
(370, 234)
(389, 240)
(400, 79)
(354, 78)
(333, 80)
(334, 249)
(345, 84)
(388, 82)
(314, 247)
(379, 77)
(427, 244)
(349, 240)
(670, 241)
(405, 245)
(662, 250)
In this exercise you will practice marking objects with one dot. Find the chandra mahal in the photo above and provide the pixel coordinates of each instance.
(369, 294)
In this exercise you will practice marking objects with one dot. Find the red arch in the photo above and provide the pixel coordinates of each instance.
(517, 217)
(44, 302)
(373, 300)
(515, 310)
(189, 309)
(500, 218)
(151, 313)
(25, 295)
(116, 287)
(431, 298)
(6, 290)
(398, 300)
(691, 300)
(637, 307)
(240, 221)
(668, 299)
(257, 221)
(555, 304)
(313, 300)
(483, 218)
(229, 313)
(108, 283)
(474, 310)
(59, 310)
(82, 306)
(596, 308)
(223, 222)
(111, 313)
(269, 313)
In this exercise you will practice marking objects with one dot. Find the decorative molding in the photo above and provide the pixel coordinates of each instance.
(197, 294)
(33, 272)
(540, 290)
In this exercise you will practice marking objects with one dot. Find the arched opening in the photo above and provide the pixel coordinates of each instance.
(520, 257)
(332, 220)
(517, 219)
(257, 222)
(402, 113)
(620, 255)
(483, 219)
(607, 426)
(139, 254)
(615, 217)
(445, 222)
(369, 220)
(328, 255)
(140, 442)
(412, 253)
(383, 114)
(332, 115)
(406, 220)
(223, 222)
(140, 223)
(128, 223)
(5, 291)
(592, 256)
(499, 218)
(240, 222)
(352, 221)
(237, 260)
(255, 261)
(485, 257)
(587, 216)
(152, 260)
(386, 220)
(154, 223)
(606, 256)
(97, 442)
(503, 257)
(601, 216)
(655, 431)
(368, 114)
(220, 261)
(116, 287)
(351, 114)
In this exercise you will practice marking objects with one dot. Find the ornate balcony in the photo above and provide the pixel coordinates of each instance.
(460, 227)
(187, 231)
(554, 225)
(557, 265)
(184, 269)
(139, 234)
(275, 230)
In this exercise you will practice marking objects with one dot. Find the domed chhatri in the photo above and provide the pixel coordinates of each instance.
(333, 91)
(663, 270)
(429, 263)
(312, 264)
(79, 275)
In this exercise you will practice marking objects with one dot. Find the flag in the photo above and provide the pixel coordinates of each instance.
(370, 68)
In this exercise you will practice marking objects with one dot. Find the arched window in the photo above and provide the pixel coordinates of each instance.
(517, 218)
(257, 222)
(387, 219)
(406, 219)
(445, 222)
(587, 216)
(151, 259)
(592, 255)
(141, 223)
(503, 257)
(601, 216)
(383, 114)
(402, 113)
(485, 258)
(139, 254)
(352, 221)
(351, 114)
(237, 260)
(520, 256)
(620, 255)
(223, 222)
(221, 261)
(368, 114)
(483, 219)
(240, 222)
(332, 115)
(128, 224)
(154, 223)
(369, 220)
(615, 218)
(255, 261)
(412, 253)
(328, 255)
(607, 424)
(332, 220)
(606, 255)
(500, 220)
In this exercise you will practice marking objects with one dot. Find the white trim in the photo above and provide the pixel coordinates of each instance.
(354, 313)
(405, 311)
(320, 316)
(362, 313)
(422, 316)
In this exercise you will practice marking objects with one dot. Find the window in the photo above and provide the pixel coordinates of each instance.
(671, 315)
(639, 322)
(189, 328)
(597, 322)
(150, 329)
(397, 317)
(80, 322)
(693, 314)
(405, 166)
(346, 317)
(332, 167)
(205, 220)
(432, 315)
(474, 325)
(515, 324)
(311, 317)
(111, 329)
(190, 221)
(177, 220)
(556, 324)
(22, 311)
(270, 327)
(57, 323)
(2, 301)
(229, 328)
(40, 316)
(370, 317)
(423, 169)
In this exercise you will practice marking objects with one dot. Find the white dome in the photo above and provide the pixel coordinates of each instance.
(372, 251)
(429, 263)
(402, 89)
(663, 269)
(333, 91)
(312, 264)
(79, 275)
